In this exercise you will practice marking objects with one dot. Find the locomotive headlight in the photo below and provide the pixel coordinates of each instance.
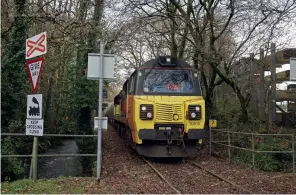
(149, 115)
(146, 111)
(194, 112)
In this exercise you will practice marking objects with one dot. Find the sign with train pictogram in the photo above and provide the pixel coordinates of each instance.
(34, 69)
(34, 106)
(36, 46)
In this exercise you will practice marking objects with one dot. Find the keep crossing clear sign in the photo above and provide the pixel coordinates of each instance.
(34, 127)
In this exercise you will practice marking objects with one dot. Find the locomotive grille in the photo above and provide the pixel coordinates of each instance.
(165, 112)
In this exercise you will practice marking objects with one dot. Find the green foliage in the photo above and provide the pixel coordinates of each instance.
(78, 97)
(266, 162)
(274, 161)
(15, 87)
(69, 100)
(242, 157)
(94, 169)
(11, 167)
(226, 112)
(60, 185)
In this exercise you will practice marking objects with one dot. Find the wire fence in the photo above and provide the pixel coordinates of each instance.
(240, 142)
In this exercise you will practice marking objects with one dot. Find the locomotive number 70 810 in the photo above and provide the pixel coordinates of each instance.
(194, 123)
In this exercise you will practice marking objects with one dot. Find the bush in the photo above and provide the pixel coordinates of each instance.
(228, 118)
(11, 167)
(273, 161)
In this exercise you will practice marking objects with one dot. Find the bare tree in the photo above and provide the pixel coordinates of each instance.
(214, 33)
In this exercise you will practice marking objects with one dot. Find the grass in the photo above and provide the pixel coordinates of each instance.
(59, 185)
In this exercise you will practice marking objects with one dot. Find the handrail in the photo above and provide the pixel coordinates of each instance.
(253, 150)
(49, 135)
(257, 134)
(46, 155)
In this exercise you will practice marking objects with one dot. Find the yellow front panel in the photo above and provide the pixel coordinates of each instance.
(195, 124)
(165, 107)
(164, 112)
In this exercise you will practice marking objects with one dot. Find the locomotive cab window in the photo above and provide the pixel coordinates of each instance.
(168, 81)
(132, 84)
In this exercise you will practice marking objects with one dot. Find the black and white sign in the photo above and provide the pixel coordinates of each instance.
(34, 106)
(34, 127)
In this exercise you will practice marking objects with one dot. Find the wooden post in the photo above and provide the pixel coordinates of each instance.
(228, 145)
(293, 154)
(31, 168)
(35, 158)
(253, 150)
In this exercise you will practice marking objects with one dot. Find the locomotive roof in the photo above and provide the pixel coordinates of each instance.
(158, 62)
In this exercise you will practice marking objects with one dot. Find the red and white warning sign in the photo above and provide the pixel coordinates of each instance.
(36, 46)
(34, 68)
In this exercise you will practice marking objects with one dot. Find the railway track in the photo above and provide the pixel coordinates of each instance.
(221, 178)
(195, 165)
(162, 177)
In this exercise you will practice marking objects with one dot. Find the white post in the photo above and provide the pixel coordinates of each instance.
(99, 152)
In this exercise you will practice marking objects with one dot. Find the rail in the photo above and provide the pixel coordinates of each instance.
(253, 150)
(34, 158)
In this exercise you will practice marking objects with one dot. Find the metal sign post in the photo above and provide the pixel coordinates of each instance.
(99, 151)
(212, 124)
(100, 66)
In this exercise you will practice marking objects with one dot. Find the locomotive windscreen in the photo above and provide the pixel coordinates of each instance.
(170, 81)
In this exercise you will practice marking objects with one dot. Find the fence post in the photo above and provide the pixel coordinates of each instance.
(293, 148)
(253, 150)
(31, 167)
(210, 140)
(228, 145)
(34, 157)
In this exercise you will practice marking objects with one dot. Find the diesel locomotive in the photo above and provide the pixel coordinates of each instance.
(160, 109)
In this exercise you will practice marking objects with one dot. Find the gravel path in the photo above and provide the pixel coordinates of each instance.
(249, 178)
(125, 172)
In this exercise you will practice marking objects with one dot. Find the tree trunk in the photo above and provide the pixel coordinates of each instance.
(243, 103)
